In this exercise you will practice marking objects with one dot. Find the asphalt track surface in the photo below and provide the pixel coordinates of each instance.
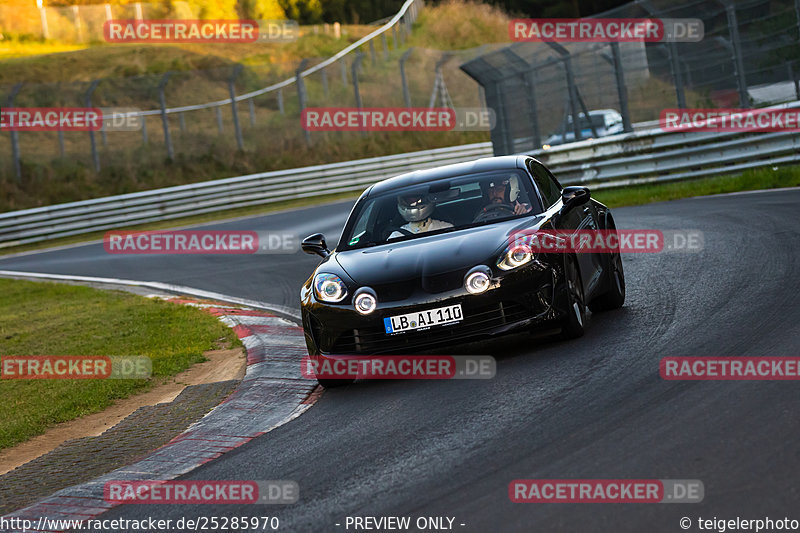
(594, 407)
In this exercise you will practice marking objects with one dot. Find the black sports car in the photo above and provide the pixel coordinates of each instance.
(429, 258)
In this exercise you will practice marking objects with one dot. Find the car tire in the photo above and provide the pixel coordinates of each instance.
(572, 325)
(332, 383)
(615, 297)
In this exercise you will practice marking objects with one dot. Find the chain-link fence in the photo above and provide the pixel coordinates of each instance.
(225, 111)
(749, 57)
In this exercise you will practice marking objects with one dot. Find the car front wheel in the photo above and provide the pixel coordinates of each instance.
(572, 325)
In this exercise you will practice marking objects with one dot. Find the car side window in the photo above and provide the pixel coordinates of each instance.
(550, 190)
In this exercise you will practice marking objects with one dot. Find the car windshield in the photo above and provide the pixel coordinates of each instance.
(598, 121)
(440, 206)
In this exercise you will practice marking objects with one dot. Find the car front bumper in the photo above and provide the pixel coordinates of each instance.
(519, 299)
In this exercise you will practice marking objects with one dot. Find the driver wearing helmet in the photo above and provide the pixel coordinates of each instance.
(504, 191)
(416, 210)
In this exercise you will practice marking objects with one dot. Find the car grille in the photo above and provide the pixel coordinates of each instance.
(476, 321)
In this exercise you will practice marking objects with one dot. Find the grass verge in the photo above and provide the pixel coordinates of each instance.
(57, 319)
(751, 180)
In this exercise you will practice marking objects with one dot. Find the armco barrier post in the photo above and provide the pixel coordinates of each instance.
(15, 134)
(301, 94)
(95, 155)
(234, 106)
(403, 80)
(164, 121)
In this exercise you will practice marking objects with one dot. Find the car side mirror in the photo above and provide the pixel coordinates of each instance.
(315, 244)
(574, 196)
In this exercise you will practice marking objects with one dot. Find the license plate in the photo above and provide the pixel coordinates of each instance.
(423, 319)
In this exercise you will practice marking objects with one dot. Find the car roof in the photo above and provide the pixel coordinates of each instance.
(416, 177)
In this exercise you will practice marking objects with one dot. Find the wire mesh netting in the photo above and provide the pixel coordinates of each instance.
(528, 83)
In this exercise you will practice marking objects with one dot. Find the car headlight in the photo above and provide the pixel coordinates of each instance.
(477, 282)
(516, 256)
(329, 288)
(365, 301)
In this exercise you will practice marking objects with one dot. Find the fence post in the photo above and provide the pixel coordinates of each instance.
(280, 101)
(528, 76)
(15, 134)
(301, 94)
(677, 77)
(672, 55)
(232, 91)
(797, 14)
(252, 107)
(218, 111)
(733, 28)
(386, 46)
(61, 143)
(144, 129)
(406, 94)
(324, 75)
(394, 36)
(343, 64)
(794, 80)
(372, 53)
(95, 156)
(182, 121)
(164, 122)
(571, 92)
(354, 69)
(622, 91)
(78, 26)
(43, 16)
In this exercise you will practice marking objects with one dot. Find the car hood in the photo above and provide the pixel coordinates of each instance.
(434, 264)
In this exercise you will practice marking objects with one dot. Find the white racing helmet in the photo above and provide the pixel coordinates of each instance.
(414, 207)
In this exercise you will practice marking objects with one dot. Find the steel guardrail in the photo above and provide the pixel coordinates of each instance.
(625, 159)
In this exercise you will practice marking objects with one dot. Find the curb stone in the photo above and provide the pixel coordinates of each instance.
(272, 393)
